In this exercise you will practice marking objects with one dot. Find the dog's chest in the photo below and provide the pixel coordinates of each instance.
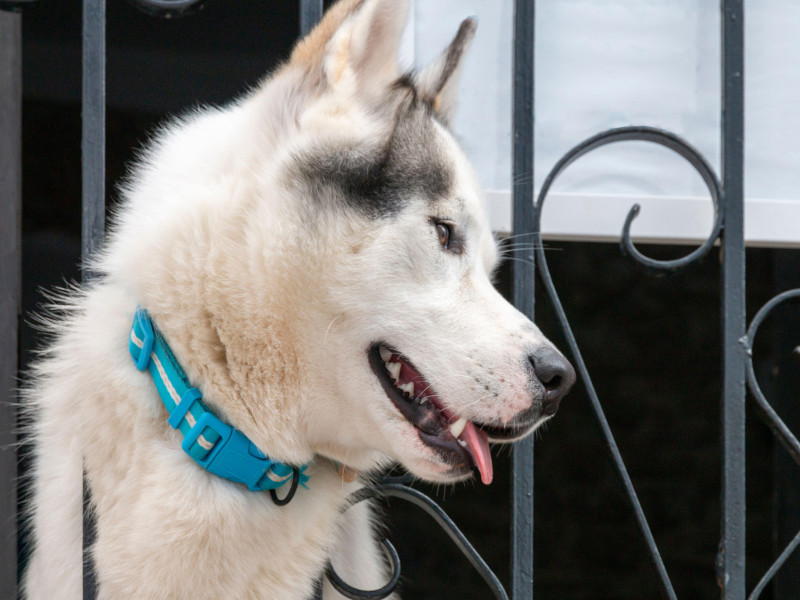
(226, 543)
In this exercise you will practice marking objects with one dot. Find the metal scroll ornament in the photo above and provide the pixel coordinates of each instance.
(696, 160)
(168, 8)
(396, 487)
(773, 421)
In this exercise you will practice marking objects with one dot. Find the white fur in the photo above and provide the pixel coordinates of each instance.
(269, 303)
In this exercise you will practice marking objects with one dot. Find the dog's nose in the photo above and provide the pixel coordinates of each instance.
(556, 374)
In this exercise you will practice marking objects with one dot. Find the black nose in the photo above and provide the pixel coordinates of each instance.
(556, 375)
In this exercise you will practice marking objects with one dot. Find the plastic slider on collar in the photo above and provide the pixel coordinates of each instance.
(233, 457)
(148, 337)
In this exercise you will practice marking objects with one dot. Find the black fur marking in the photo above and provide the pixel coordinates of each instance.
(406, 83)
(455, 52)
(378, 181)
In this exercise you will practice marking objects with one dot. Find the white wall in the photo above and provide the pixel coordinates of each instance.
(607, 63)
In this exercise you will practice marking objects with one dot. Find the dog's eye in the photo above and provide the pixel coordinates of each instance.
(445, 232)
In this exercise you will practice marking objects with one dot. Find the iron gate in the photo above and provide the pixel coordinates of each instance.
(726, 191)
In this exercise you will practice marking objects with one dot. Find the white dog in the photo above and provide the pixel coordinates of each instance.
(315, 262)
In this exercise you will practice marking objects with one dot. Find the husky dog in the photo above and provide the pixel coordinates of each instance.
(317, 259)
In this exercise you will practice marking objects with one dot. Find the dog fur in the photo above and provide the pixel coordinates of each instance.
(273, 241)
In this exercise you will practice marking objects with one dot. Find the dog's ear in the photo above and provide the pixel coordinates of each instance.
(356, 44)
(437, 83)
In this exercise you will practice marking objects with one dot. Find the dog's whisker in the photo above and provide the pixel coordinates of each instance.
(525, 177)
(526, 246)
(521, 245)
(327, 331)
(518, 235)
(521, 260)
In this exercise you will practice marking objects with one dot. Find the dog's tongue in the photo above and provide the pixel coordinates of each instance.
(475, 440)
(477, 444)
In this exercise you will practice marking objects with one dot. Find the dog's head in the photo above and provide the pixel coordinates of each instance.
(414, 354)
(319, 259)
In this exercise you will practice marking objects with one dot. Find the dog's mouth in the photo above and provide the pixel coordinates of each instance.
(458, 441)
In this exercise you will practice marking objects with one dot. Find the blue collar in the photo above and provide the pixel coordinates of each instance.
(216, 446)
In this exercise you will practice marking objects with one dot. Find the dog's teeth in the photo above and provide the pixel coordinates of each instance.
(462, 442)
(408, 388)
(394, 370)
(457, 427)
(386, 354)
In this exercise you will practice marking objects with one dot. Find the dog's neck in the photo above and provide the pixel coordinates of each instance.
(215, 445)
(243, 358)
(251, 382)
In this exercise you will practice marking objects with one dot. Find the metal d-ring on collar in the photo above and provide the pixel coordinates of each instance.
(214, 445)
(295, 482)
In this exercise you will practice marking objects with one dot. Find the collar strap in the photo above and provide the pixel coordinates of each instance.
(216, 446)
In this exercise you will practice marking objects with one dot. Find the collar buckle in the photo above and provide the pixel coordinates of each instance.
(233, 457)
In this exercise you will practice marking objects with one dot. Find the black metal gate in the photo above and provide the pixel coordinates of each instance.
(726, 191)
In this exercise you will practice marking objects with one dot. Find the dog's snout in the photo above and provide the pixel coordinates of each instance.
(556, 375)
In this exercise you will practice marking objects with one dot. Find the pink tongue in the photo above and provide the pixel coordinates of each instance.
(476, 440)
(478, 447)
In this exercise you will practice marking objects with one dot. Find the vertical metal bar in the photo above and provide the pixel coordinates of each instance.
(786, 487)
(93, 147)
(310, 14)
(731, 560)
(522, 479)
(93, 143)
(10, 286)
